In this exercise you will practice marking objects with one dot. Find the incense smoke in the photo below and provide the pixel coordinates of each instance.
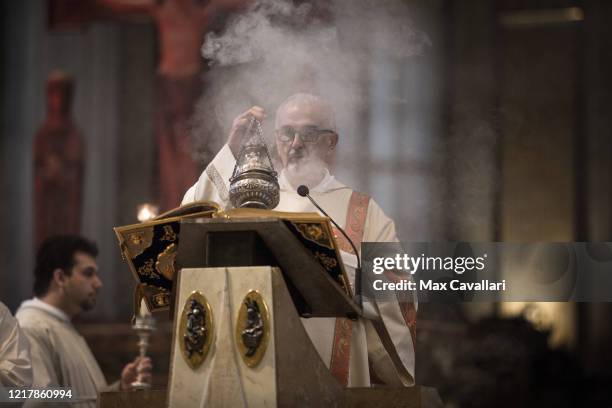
(277, 48)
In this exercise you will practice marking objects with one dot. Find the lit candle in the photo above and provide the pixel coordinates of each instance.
(146, 212)
(144, 310)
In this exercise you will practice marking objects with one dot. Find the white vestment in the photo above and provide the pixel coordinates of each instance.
(15, 367)
(333, 196)
(60, 355)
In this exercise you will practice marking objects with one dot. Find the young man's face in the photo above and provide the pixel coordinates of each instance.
(83, 284)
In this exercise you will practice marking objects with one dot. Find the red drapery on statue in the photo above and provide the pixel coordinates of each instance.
(58, 164)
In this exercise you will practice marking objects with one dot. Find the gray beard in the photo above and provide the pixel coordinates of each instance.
(308, 173)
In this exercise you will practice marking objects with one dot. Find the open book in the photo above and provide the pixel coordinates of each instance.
(151, 248)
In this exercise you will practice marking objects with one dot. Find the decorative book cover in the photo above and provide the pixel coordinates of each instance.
(150, 248)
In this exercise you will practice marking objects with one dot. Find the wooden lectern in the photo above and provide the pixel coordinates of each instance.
(238, 340)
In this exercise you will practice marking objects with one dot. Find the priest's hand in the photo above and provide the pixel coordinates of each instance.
(139, 369)
(240, 126)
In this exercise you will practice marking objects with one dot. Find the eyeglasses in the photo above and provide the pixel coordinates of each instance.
(308, 134)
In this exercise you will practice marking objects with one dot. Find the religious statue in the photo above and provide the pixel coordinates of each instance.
(253, 332)
(196, 332)
(58, 164)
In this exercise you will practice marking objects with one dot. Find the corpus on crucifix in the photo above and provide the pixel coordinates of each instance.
(181, 26)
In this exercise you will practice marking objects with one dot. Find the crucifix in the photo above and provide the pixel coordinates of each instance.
(181, 26)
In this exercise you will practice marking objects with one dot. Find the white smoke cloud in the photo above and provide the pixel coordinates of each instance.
(277, 48)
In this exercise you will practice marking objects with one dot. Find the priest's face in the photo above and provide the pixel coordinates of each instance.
(83, 284)
(305, 146)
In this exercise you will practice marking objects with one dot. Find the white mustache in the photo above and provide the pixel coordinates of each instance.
(296, 153)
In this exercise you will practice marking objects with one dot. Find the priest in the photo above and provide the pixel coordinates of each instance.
(306, 140)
